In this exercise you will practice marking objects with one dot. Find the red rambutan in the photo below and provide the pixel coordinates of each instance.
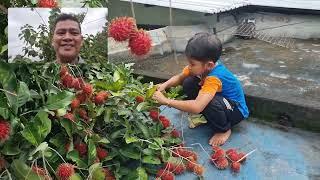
(122, 28)
(140, 43)
(4, 130)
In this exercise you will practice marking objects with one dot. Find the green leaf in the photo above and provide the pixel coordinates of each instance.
(142, 106)
(75, 176)
(150, 92)
(6, 31)
(130, 153)
(24, 94)
(10, 148)
(97, 172)
(165, 155)
(4, 48)
(60, 100)
(118, 133)
(118, 85)
(151, 160)
(107, 115)
(142, 174)
(92, 152)
(67, 124)
(130, 139)
(148, 151)
(22, 171)
(8, 81)
(58, 140)
(37, 130)
(143, 128)
(42, 147)
(74, 156)
(4, 109)
(116, 76)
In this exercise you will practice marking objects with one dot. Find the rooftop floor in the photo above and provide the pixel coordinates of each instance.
(292, 154)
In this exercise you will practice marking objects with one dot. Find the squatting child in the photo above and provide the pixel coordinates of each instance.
(211, 89)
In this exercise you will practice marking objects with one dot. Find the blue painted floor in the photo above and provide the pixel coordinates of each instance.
(287, 155)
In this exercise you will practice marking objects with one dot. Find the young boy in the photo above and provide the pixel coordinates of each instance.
(211, 88)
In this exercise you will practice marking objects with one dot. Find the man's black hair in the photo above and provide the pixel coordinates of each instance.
(64, 17)
(204, 47)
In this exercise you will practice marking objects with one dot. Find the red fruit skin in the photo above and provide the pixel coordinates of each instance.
(82, 97)
(47, 3)
(83, 114)
(70, 117)
(109, 174)
(4, 130)
(175, 133)
(139, 99)
(63, 71)
(3, 163)
(190, 165)
(87, 89)
(101, 153)
(235, 167)
(67, 81)
(67, 147)
(65, 170)
(140, 43)
(77, 83)
(120, 29)
(165, 123)
(218, 154)
(233, 156)
(165, 175)
(81, 148)
(240, 155)
(101, 98)
(221, 163)
(154, 115)
(41, 172)
(231, 151)
(75, 104)
(175, 168)
(198, 169)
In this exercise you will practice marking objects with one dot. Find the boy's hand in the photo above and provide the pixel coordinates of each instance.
(161, 87)
(158, 96)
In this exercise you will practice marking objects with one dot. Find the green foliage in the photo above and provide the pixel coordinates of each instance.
(121, 126)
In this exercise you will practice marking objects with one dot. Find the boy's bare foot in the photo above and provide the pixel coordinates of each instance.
(219, 138)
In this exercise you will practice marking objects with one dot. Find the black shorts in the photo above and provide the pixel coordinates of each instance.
(221, 113)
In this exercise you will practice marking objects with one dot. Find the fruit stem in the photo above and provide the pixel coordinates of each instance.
(8, 92)
(246, 155)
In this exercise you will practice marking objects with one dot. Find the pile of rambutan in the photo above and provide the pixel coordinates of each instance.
(183, 160)
(221, 158)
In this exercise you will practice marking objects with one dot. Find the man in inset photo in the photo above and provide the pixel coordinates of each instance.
(66, 35)
(67, 39)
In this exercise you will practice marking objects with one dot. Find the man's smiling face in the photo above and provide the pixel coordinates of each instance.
(67, 41)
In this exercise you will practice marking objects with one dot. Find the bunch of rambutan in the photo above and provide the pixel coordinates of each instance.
(221, 158)
(125, 28)
(181, 161)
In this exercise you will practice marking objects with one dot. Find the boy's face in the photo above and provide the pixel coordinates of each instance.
(67, 40)
(199, 68)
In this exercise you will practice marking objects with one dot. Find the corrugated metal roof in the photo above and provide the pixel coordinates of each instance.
(216, 6)
(299, 4)
(205, 6)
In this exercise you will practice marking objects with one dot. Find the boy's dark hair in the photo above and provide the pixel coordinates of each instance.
(64, 17)
(204, 47)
